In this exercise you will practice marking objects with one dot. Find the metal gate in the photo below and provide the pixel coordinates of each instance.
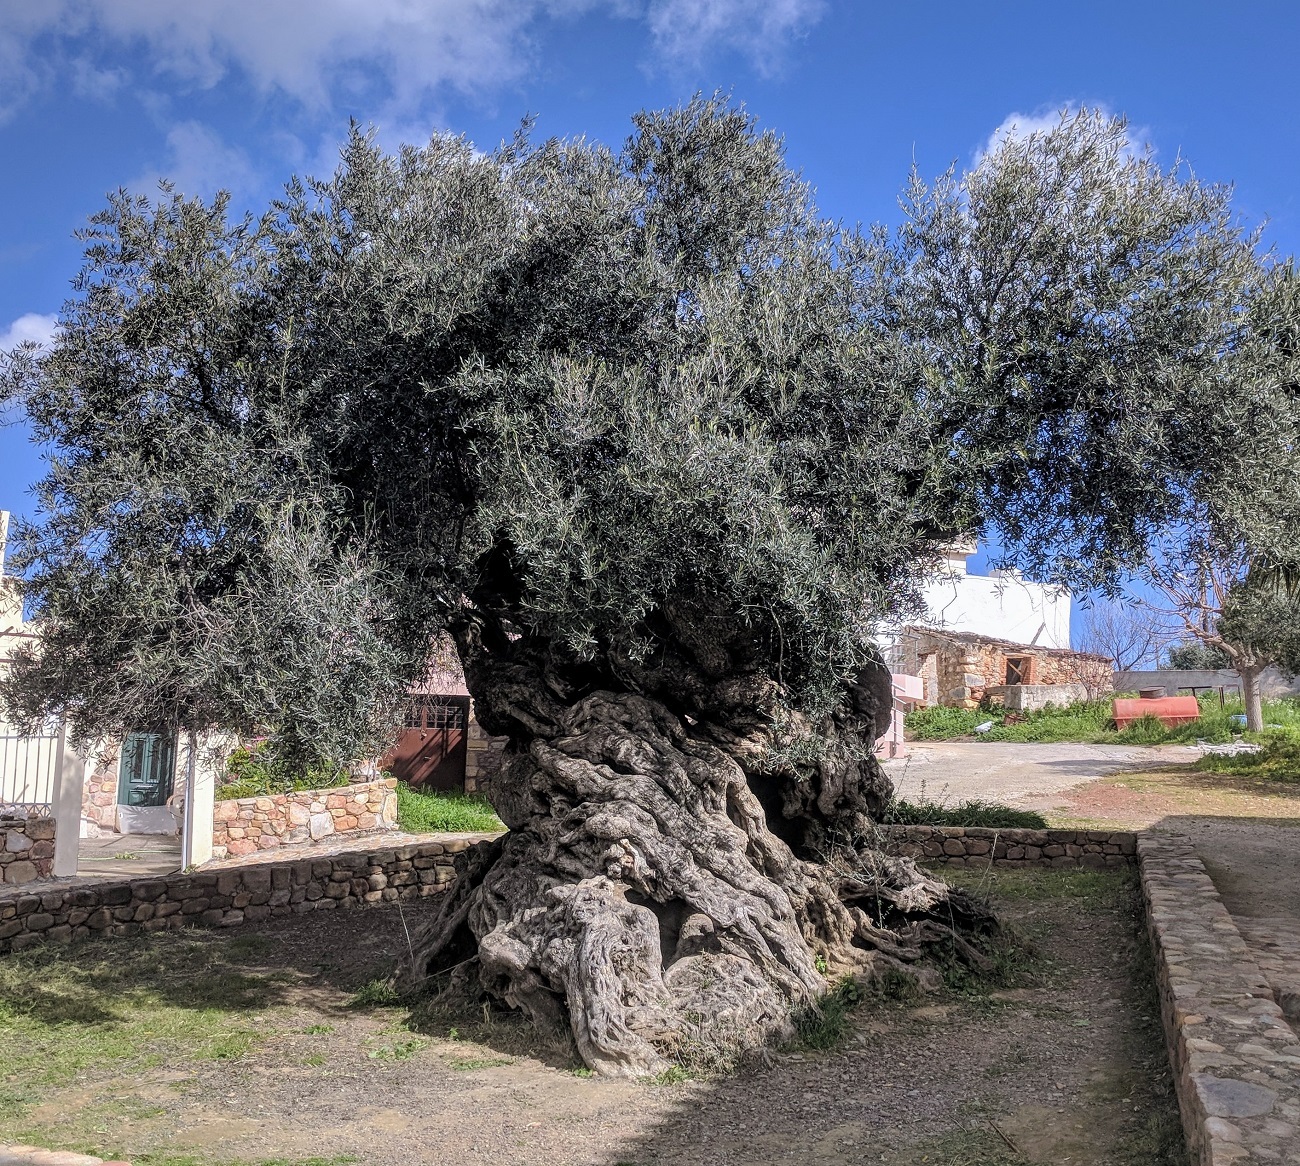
(431, 750)
(28, 771)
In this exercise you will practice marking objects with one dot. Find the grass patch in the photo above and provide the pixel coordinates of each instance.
(1277, 760)
(376, 994)
(971, 813)
(123, 1004)
(400, 1050)
(1093, 890)
(419, 812)
(469, 1064)
(1092, 722)
(826, 1024)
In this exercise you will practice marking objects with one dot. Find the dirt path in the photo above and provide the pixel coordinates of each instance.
(216, 1048)
(1246, 832)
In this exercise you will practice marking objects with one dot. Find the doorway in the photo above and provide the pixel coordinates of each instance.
(430, 753)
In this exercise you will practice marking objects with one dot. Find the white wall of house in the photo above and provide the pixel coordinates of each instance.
(1003, 605)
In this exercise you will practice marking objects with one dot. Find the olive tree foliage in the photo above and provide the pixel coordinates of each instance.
(1083, 314)
(659, 448)
(1226, 572)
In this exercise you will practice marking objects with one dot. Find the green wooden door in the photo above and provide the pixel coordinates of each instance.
(145, 775)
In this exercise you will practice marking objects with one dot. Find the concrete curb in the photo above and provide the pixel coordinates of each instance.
(1235, 1060)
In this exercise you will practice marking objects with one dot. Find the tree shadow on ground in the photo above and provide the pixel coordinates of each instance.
(1070, 1067)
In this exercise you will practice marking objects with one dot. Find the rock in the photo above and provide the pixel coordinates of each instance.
(16, 842)
(321, 825)
(20, 872)
(23, 1155)
(1228, 1097)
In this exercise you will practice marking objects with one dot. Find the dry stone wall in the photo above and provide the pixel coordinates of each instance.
(983, 846)
(242, 826)
(99, 794)
(1236, 1061)
(74, 909)
(26, 849)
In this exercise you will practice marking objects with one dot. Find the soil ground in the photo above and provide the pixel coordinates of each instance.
(247, 1046)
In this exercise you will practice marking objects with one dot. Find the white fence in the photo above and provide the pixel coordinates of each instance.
(41, 777)
(29, 768)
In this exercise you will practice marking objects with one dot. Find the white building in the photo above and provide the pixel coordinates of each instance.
(1003, 605)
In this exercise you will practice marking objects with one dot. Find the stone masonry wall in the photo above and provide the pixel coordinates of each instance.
(967, 666)
(241, 826)
(99, 794)
(1235, 1059)
(482, 757)
(26, 849)
(982, 846)
(74, 909)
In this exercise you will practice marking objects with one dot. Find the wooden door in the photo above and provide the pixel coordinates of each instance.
(147, 769)
(431, 750)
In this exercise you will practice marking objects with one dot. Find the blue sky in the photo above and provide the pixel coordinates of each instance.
(96, 94)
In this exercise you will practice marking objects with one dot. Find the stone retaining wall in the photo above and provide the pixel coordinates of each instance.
(1235, 1060)
(241, 826)
(26, 849)
(980, 846)
(80, 908)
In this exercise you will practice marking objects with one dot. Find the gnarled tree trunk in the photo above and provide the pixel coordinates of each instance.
(673, 883)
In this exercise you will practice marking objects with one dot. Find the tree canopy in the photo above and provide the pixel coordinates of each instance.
(627, 405)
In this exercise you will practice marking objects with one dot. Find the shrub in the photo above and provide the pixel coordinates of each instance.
(255, 771)
(420, 812)
(973, 813)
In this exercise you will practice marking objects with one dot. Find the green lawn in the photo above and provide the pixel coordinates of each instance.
(419, 812)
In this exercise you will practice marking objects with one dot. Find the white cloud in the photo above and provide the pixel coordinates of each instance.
(312, 51)
(303, 50)
(199, 164)
(685, 31)
(1021, 125)
(32, 326)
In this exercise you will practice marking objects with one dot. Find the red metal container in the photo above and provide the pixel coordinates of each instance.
(1168, 710)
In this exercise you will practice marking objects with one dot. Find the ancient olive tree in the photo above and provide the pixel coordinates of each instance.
(659, 448)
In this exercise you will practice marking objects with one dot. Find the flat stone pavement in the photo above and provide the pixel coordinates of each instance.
(1000, 771)
(132, 856)
(1255, 867)
(135, 856)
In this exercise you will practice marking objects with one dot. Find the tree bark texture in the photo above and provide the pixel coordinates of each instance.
(670, 888)
(1252, 696)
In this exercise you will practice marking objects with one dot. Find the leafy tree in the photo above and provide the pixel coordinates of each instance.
(1227, 568)
(659, 448)
(1194, 655)
(1237, 616)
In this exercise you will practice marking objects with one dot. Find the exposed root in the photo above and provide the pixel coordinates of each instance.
(641, 898)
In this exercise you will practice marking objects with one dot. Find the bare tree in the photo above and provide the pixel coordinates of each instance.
(1231, 603)
(1131, 634)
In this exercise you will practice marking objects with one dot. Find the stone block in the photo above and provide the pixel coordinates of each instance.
(321, 826)
(22, 871)
(40, 829)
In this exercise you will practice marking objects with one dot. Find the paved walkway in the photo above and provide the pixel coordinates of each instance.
(998, 771)
(115, 856)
